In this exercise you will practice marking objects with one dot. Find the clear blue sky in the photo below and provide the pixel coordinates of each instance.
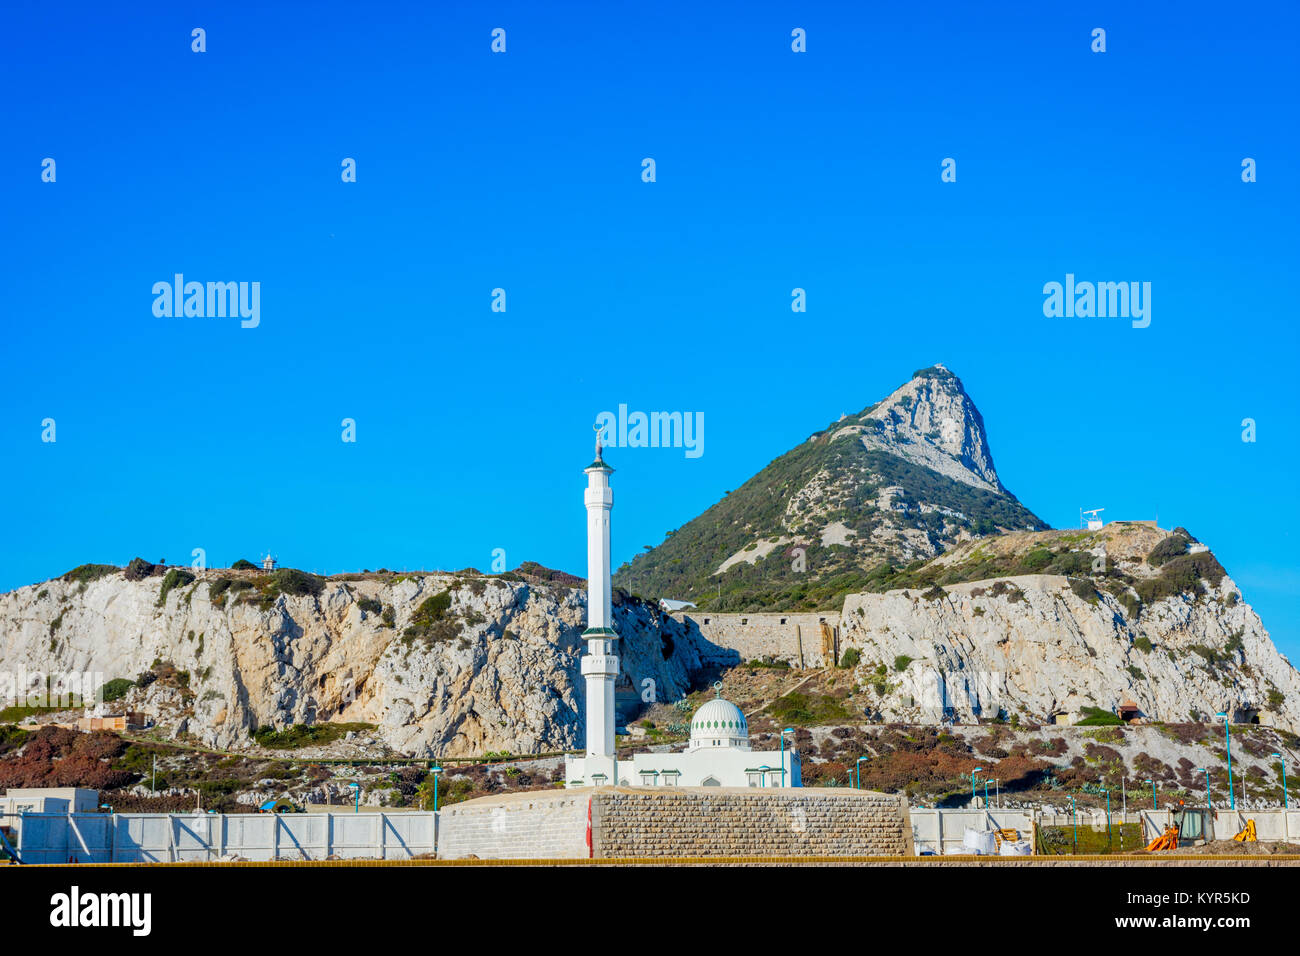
(523, 171)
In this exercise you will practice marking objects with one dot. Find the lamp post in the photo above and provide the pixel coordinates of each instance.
(997, 792)
(356, 792)
(1227, 736)
(1107, 792)
(1286, 801)
(787, 730)
(858, 784)
(1075, 820)
(1154, 804)
(986, 793)
(972, 783)
(1209, 803)
(435, 771)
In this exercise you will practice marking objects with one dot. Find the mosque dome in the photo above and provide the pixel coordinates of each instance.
(719, 723)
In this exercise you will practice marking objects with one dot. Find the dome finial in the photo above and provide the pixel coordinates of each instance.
(598, 429)
(717, 689)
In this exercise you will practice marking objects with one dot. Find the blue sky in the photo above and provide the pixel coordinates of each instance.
(522, 171)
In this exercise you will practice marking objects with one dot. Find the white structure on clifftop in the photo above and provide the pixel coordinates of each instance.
(718, 755)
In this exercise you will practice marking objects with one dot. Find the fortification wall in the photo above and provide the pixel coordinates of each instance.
(794, 638)
(737, 821)
(533, 826)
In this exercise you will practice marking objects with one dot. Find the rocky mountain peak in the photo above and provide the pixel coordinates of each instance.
(930, 421)
(900, 481)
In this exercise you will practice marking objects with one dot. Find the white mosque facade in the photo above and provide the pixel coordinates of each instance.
(718, 754)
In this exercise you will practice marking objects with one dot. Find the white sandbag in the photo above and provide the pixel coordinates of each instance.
(981, 842)
(1016, 848)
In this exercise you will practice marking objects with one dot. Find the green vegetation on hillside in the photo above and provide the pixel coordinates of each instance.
(85, 573)
(301, 735)
(817, 576)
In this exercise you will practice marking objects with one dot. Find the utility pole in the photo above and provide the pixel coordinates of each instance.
(153, 778)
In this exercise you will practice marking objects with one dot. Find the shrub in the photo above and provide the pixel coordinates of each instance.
(302, 735)
(1170, 547)
(901, 662)
(116, 689)
(370, 606)
(1083, 588)
(1132, 603)
(218, 588)
(389, 617)
(243, 565)
(1096, 717)
(430, 620)
(1276, 698)
(1182, 575)
(138, 569)
(293, 581)
(1036, 560)
(851, 657)
(935, 593)
(1143, 644)
(174, 578)
(85, 573)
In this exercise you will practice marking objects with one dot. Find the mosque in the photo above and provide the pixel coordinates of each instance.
(718, 754)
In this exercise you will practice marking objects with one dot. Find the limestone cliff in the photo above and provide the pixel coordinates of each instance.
(1129, 612)
(442, 664)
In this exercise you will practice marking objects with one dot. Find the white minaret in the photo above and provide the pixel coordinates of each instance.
(600, 663)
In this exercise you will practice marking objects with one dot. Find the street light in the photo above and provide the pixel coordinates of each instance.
(435, 771)
(1227, 735)
(858, 784)
(972, 783)
(1107, 791)
(356, 792)
(1286, 802)
(1154, 804)
(986, 793)
(1075, 820)
(787, 730)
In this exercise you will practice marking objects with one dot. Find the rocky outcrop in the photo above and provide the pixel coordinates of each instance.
(1030, 645)
(499, 672)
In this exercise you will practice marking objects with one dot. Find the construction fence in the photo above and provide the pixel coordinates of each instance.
(172, 838)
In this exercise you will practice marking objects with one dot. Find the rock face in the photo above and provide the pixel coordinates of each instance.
(499, 672)
(904, 479)
(932, 422)
(1038, 649)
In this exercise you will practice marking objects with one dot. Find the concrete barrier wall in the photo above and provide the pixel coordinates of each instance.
(164, 838)
(941, 832)
(538, 825)
(742, 821)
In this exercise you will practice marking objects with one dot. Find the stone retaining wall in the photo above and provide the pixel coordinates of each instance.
(737, 821)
